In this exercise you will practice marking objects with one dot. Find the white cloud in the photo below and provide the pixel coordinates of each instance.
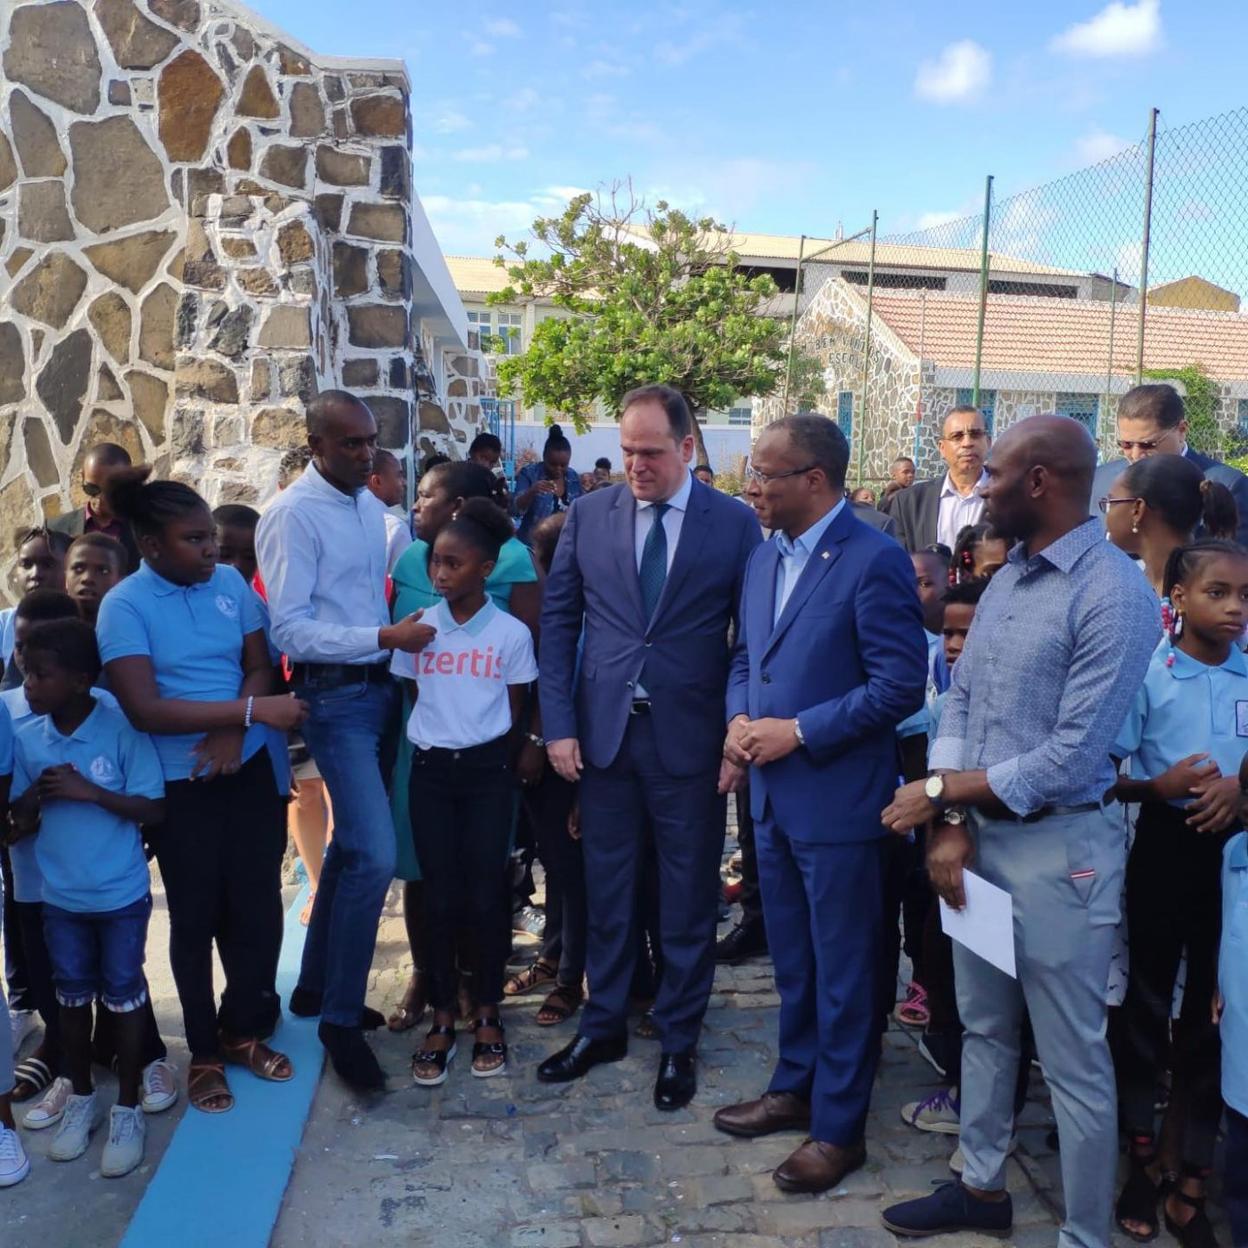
(604, 69)
(522, 101)
(1119, 29)
(450, 122)
(468, 227)
(1098, 145)
(725, 28)
(960, 72)
(479, 47)
(931, 220)
(501, 28)
(490, 154)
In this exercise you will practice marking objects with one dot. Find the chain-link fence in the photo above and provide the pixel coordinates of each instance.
(1131, 269)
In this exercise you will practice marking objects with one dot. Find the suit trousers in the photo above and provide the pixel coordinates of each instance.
(822, 905)
(1063, 938)
(686, 818)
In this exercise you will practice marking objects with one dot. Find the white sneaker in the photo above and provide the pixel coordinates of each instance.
(160, 1087)
(49, 1109)
(25, 1023)
(14, 1164)
(127, 1133)
(957, 1163)
(74, 1133)
(938, 1112)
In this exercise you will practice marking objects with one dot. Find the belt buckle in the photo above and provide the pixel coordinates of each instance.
(640, 706)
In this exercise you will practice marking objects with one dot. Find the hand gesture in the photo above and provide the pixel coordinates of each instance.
(734, 748)
(65, 783)
(949, 850)
(1216, 807)
(768, 740)
(732, 778)
(1181, 779)
(282, 711)
(545, 487)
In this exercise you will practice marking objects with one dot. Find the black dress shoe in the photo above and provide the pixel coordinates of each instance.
(305, 1003)
(677, 1082)
(352, 1059)
(746, 940)
(579, 1057)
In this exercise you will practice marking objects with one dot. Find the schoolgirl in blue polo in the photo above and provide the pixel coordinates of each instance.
(83, 781)
(184, 649)
(1185, 737)
(14, 1164)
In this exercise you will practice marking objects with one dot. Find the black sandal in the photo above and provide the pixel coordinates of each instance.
(495, 1048)
(441, 1058)
(1138, 1199)
(1198, 1231)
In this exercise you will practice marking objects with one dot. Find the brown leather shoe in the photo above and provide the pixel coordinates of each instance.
(816, 1166)
(773, 1111)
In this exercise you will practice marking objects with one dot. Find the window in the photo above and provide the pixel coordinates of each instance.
(480, 318)
(987, 404)
(999, 286)
(845, 413)
(508, 333)
(895, 281)
(1241, 418)
(1080, 407)
(738, 415)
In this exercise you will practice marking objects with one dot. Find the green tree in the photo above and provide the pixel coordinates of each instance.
(648, 296)
(1200, 405)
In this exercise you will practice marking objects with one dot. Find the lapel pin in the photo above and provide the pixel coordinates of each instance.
(825, 554)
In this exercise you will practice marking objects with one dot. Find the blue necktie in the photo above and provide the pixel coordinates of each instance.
(653, 570)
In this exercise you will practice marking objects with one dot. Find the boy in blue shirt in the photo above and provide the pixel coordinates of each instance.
(84, 780)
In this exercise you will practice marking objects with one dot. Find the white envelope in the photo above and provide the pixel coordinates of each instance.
(985, 925)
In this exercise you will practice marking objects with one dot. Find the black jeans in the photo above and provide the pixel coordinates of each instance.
(461, 803)
(1173, 903)
(220, 854)
(1235, 1176)
(548, 806)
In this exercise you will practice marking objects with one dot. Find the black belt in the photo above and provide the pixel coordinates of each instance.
(332, 675)
(640, 706)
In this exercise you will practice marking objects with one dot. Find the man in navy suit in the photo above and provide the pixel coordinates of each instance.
(650, 573)
(1152, 421)
(831, 657)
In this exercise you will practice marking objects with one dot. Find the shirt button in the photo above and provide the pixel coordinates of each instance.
(630, 684)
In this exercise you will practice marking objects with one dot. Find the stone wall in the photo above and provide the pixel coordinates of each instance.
(201, 225)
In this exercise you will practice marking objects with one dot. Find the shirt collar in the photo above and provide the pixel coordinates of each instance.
(163, 588)
(312, 477)
(948, 491)
(1064, 553)
(1184, 667)
(81, 733)
(809, 540)
(678, 501)
(447, 623)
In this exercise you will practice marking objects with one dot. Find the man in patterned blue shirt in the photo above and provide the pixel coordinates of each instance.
(1021, 789)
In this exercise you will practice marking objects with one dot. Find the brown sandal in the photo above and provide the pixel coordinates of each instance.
(205, 1081)
(257, 1057)
(411, 1009)
(530, 979)
(563, 1001)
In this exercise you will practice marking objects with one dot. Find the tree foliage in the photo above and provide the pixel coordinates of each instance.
(645, 295)
(1200, 406)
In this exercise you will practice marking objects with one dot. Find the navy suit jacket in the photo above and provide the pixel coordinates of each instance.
(593, 583)
(848, 657)
(1223, 474)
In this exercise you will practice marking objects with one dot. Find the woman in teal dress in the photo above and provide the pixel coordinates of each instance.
(514, 585)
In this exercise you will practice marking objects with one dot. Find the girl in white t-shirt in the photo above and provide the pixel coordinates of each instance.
(468, 688)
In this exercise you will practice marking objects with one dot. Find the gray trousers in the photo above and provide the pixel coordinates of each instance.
(1065, 876)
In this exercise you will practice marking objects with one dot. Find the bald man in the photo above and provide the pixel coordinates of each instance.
(1022, 791)
(101, 462)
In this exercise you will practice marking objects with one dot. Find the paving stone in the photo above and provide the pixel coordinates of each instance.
(547, 1235)
(621, 1232)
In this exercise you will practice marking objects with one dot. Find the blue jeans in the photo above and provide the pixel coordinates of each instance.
(345, 732)
(99, 955)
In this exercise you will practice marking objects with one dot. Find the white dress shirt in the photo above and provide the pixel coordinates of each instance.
(323, 559)
(795, 554)
(673, 519)
(957, 512)
(398, 537)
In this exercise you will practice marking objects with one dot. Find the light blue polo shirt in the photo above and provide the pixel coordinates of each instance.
(920, 722)
(6, 743)
(1189, 708)
(91, 860)
(193, 635)
(1233, 973)
(27, 879)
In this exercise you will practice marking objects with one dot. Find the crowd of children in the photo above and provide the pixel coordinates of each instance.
(147, 715)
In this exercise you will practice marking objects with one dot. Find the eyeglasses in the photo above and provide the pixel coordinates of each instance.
(1106, 503)
(966, 435)
(1125, 445)
(762, 478)
(91, 490)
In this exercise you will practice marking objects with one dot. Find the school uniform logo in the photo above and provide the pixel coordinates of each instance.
(227, 606)
(1241, 719)
(102, 770)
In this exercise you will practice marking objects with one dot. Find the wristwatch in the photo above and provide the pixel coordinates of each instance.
(953, 814)
(797, 732)
(934, 788)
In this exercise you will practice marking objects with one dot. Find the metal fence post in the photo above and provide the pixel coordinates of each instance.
(866, 347)
(1109, 362)
(983, 289)
(1146, 243)
(797, 294)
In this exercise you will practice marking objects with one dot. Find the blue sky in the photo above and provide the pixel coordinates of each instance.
(786, 117)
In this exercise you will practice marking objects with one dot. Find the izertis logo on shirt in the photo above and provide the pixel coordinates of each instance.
(102, 770)
(480, 663)
(227, 606)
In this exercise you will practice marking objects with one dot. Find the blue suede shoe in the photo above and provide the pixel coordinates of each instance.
(949, 1208)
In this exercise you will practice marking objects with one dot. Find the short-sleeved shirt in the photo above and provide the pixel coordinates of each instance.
(193, 635)
(462, 677)
(91, 860)
(1183, 708)
(414, 591)
(27, 879)
(1233, 973)
(920, 722)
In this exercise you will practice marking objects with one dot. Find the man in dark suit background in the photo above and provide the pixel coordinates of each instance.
(830, 658)
(1152, 421)
(100, 464)
(650, 574)
(938, 510)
